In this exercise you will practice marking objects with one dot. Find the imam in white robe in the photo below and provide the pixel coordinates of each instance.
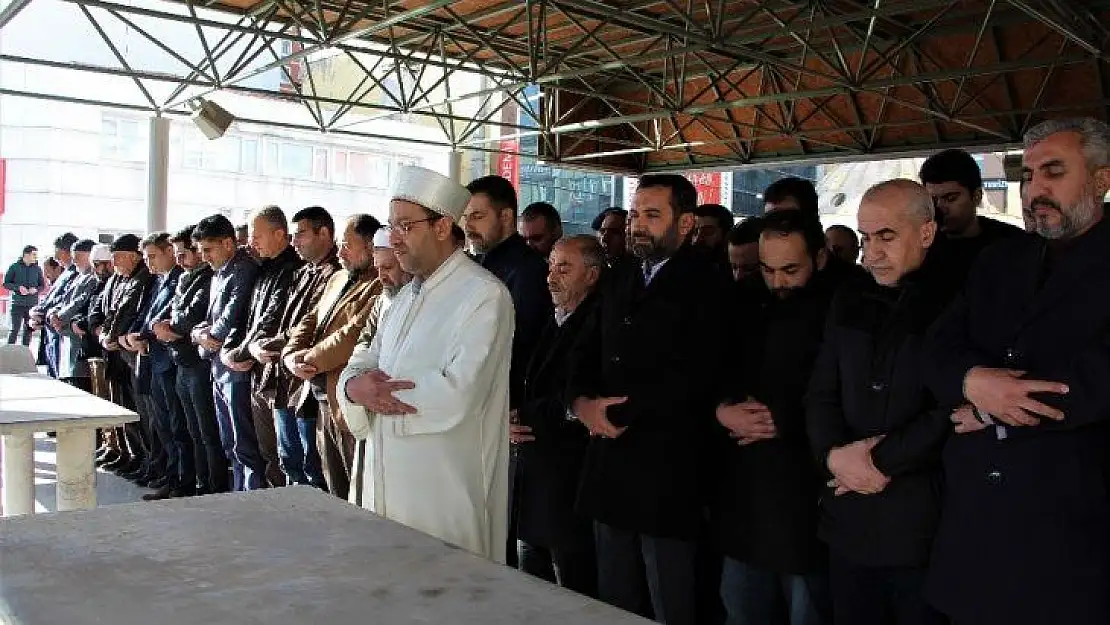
(444, 470)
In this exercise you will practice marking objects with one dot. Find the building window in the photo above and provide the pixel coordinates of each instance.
(295, 161)
(221, 154)
(249, 156)
(122, 139)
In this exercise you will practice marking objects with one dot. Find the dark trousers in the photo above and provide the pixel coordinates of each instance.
(156, 460)
(625, 560)
(865, 595)
(573, 568)
(262, 411)
(21, 314)
(173, 429)
(232, 393)
(194, 390)
(754, 596)
(337, 451)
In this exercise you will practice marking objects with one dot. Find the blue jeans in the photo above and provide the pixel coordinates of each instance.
(297, 448)
(756, 597)
(232, 393)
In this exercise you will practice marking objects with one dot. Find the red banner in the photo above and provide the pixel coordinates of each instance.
(708, 185)
(508, 165)
(3, 184)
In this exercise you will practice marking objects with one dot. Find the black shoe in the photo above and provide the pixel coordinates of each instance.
(162, 493)
(133, 469)
(158, 482)
(181, 493)
(123, 461)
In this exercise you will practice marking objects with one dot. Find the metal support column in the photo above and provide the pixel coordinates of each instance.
(454, 166)
(157, 174)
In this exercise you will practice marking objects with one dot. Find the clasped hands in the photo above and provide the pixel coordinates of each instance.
(748, 421)
(853, 469)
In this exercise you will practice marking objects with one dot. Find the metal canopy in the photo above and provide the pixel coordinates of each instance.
(654, 85)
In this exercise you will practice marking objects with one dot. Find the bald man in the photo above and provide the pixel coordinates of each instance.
(872, 423)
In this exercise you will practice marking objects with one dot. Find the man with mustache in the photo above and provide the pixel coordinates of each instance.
(872, 423)
(646, 393)
(765, 512)
(1022, 536)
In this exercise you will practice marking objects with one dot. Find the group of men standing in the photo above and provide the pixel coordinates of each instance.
(678, 416)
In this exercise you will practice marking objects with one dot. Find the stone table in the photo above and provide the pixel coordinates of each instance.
(289, 556)
(32, 402)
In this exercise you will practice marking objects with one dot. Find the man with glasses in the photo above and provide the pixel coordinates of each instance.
(431, 391)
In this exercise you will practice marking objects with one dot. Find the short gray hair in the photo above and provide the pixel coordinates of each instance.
(589, 247)
(1094, 137)
(272, 215)
(920, 203)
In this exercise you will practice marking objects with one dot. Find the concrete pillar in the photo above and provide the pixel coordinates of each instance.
(18, 473)
(454, 166)
(76, 473)
(157, 174)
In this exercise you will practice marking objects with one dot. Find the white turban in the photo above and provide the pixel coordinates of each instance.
(381, 239)
(430, 189)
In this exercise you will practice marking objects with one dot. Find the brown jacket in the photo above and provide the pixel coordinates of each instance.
(329, 332)
(308, 286)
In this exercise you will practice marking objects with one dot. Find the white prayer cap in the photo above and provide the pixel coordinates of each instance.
(100, 253)
(430, 189)
(381, 239)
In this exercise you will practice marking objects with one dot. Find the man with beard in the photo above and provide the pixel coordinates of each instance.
(556, 543)
(393, 278)
(314, 241)
(490, 225)
(765, 514)
(1023, 536)
(646, 393)
(193, 382)
(954, 181)
(431, 392)
(129, 294)
(872, 423)
(541, 226)
(321, 344)
(101, 259)
(713, 225)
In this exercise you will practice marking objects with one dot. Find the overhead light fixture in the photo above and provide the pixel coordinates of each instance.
(211, 118)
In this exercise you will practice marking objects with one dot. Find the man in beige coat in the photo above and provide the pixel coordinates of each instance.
(321, 343)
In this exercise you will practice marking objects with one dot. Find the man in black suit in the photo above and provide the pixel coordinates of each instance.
(168, 418)
(1024, 536)
(765, 513)
(555, 543)
(953, 179)
(872, 423)
(490, 224)
(647, 395)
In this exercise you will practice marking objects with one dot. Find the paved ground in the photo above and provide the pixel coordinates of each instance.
(110, 489)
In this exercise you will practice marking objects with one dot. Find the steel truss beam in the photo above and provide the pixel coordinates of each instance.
(642, 76)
